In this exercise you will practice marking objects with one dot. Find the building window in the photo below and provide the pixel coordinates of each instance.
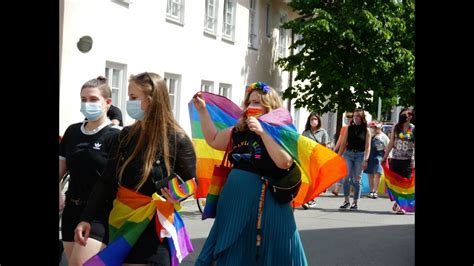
(124, 3)
(173, 83)
(296, 118)
(298, 48)
(268, 20)
(229, 20)
(175, 11)
(253, 25)
(117, 80)
(282, 36)
(225, 90)
(210, 21)
(207, 86)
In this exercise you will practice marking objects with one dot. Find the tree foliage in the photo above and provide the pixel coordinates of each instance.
(347, 52)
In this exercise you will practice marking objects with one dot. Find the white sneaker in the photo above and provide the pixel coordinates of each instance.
(312, 203)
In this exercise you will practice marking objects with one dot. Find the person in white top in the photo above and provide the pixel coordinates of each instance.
(374, 169)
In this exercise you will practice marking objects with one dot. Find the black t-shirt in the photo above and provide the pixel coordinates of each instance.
(106, 189)
(115, 113)
(253, 155)
(86, 156)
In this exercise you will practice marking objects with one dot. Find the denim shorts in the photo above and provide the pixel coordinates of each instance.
(374, 165)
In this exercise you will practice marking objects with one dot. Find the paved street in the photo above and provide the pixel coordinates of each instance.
(372, 235)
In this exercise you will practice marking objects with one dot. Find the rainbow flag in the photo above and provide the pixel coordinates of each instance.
(400, 189)
(131, 214)
(320, 167)
(224, 113)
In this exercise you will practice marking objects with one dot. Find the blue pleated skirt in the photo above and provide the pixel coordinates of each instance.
(232, 240)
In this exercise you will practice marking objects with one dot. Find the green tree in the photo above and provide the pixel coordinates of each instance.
(351, 52)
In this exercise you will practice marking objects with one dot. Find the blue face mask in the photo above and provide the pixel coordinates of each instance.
(92, 111)
(134, 109)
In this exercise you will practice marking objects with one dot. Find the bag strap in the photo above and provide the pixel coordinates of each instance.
(157, 164)
(225, 161)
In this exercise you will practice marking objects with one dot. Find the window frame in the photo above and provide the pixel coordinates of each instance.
(253, 25)
(208, 83)
(174, 100)
(175, 18)
(120, 100)
(227, 87)
(225, 23)
(214, 18)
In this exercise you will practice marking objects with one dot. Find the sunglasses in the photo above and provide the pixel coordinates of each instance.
(144, 75)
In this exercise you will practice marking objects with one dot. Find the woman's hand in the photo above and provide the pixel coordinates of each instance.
(62, 198)
(364, 165)
(166, 194)
(199, 102)
(81, 233)
(254, 125)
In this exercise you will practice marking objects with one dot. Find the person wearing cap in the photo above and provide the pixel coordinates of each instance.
(374, 169)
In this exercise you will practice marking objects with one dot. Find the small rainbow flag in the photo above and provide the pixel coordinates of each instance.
(399, 188)
(180, 191)
(320, 167)
(131, 214)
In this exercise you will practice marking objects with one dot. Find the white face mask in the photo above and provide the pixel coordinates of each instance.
(134, 109)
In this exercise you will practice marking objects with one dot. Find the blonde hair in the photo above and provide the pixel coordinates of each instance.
(154, 129)
(270, 101)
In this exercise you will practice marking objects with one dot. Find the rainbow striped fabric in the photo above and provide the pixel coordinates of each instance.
(400, 189)
(131, 214)
(181, 191)
(320, 167)
(224, 113)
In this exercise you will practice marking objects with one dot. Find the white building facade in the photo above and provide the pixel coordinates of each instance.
(214, 45)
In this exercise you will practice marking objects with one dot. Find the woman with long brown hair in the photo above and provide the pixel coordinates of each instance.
(147, 152)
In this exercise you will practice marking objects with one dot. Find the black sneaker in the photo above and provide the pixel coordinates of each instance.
(345, 205)
(354, 206)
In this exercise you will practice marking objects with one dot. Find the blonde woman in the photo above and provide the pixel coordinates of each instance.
(153, 147)
(250, 227)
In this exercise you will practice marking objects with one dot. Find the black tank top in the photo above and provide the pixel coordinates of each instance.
(356, 137)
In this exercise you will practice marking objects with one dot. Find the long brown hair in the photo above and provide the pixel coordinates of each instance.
(154, 129)
(270, 101)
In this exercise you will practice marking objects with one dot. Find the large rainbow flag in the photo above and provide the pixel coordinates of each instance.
(400, 189)
(320, 167)
(131, 214)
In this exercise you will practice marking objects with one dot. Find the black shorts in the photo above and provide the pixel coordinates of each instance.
(148, 249)
(71, 217)
(401, 167)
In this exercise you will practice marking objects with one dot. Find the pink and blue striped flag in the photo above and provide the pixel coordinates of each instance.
(320, 167)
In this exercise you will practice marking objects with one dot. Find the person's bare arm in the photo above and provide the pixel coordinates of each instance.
(216, 139)
(390, 145)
